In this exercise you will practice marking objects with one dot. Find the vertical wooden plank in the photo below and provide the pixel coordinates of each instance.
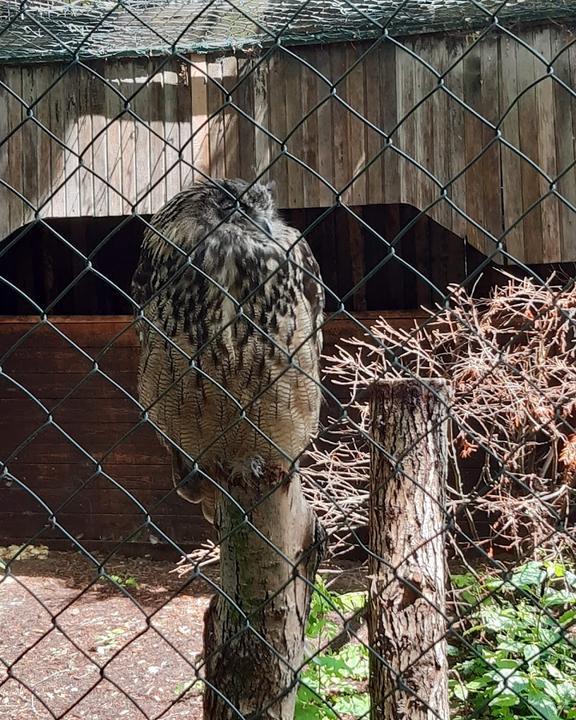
(325, 125)
(115, 72)
(528, 115)
(473, 140)
(29, 141)
(246, 129)
(128, 136)
(230, 119)
(390, 103)
(373, 141)
(98, 155)
(262, 144)
(565, 111)
(340, 140)
(184, 112)
(547, 134)
(169, 107)
(216, 122)
(200, 126)
(439, 121)
(58, 122)
(85, 135)
(155, 116)
(140, 105)
(356, 128)
(511, 163)
(406, 134)
(71, 162)
(489, 165)
(310, 89)
(278, 108)
(294, 90)
(425, 191)
(456, 141)
(5, 194)
(44, 76)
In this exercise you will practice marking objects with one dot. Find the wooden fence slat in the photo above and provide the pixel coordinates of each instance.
(551, 249)
(354, 93)
(511, 162)
(156, 113)
(564, 110)
(528, 130)
(128, 133)
(6, 195)
(185, 122)
(309, 146)
(216, 126)
(277, 101)
(230, 120)
(325, 121)
(391, 104)
(373, 109)
(168, 106)
(294, 113)
(200, 126)
(140, 106)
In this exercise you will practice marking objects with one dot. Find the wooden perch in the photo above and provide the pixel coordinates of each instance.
(254, 636)
(406, 617)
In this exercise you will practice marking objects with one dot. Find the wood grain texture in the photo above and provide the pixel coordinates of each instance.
(105, 425)
(140, 160)
(406, 615)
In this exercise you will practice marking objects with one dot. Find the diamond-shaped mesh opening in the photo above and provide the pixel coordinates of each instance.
(361, 375)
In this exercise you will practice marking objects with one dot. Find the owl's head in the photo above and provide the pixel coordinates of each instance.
(252, 201)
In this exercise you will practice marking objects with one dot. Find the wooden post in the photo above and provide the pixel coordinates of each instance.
(254, 634)
(406, 617)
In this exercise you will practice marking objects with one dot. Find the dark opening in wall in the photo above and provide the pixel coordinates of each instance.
(40, 263)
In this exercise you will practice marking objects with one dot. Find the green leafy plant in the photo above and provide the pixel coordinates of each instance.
(125, 582)
(333, 683)
(516, 655)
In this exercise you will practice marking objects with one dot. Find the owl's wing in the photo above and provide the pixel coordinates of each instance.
(313, 290)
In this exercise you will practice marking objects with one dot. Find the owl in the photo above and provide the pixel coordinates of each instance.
(230, 311)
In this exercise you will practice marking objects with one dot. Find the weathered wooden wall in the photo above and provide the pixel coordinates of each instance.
(89, 146)
(104, 422)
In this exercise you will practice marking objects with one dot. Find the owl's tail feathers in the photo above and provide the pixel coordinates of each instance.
(191, 486)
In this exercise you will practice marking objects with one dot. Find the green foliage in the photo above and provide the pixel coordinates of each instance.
(514, 659)
(125, 582)
(333, 684)
(516, 656)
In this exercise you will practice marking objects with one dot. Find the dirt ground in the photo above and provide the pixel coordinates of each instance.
(77, 647)
(81, 648)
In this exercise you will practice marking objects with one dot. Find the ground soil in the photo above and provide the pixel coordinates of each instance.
(79, 647)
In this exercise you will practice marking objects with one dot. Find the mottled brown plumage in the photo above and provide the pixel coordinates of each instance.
(230, 332)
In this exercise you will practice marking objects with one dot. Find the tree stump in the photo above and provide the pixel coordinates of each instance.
(254, 631)
(406, 617)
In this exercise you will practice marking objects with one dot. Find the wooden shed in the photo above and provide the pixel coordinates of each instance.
(412, 145)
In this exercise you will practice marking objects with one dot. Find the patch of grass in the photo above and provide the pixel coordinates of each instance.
(516, 659)
(333, 684)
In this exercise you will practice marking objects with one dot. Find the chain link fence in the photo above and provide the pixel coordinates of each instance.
(161, 341)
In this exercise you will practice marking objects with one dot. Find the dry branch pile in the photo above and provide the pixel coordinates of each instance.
(510, 361)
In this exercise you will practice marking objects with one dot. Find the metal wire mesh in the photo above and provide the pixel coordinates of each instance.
(505, 342)
(57, 29)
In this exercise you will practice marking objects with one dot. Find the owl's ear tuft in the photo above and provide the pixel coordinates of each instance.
(271, 187)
